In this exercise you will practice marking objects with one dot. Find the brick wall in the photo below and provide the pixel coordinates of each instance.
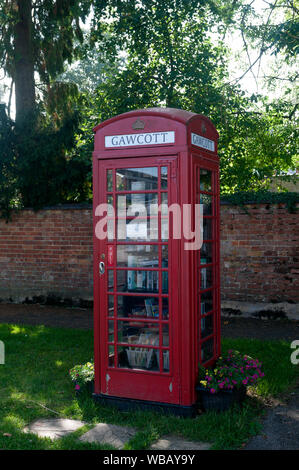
(259, 253)
(49, 253)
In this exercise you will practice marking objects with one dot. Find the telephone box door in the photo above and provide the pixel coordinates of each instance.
(138, 279)
(207, 308)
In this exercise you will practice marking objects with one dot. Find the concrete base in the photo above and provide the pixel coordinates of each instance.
(129, 404)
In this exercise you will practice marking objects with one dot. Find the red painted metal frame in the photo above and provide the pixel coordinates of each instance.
(146, 384)
(177, 387)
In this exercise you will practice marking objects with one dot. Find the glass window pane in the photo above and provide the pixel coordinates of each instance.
(164, 256)
(207, 229)
(110, 208)
(206, 299)
(164, 217)
(110, 331)
(164, 229)
(206, 253)
(133, 205)
(206, 200)
(111, 356)
(138, 229)
(165, 361)
(110, 280)
(136, 179)
(206, 326)
(110, 229)
(205, 180)
(138, 333)
(138, 281)
(138, 306)
(137, 358)
(110, 305)
(165, 282)
(109, 180)
(164, 171)
(207, 350)
(165, 308)
(139, 256)
(206, 277)
(165, 335)
(164, 203)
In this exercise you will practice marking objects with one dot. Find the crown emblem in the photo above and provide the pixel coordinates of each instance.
(138, 124)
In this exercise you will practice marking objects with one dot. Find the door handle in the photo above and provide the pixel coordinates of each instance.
(102, 267)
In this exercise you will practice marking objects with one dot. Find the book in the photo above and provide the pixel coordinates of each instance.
(155, 311)
(148, 307)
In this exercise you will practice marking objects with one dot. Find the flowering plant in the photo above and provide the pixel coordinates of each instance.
(82, 374)
(231, 372)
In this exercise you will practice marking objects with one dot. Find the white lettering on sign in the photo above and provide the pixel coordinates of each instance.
(202, 142)
(148, 138)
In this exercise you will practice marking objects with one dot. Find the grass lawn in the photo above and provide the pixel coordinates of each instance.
(36, 373)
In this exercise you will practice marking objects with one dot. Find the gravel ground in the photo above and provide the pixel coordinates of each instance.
(281, 424)
(28, 314)
(259, 329)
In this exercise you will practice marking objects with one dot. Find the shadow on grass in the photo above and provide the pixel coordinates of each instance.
(225, 430)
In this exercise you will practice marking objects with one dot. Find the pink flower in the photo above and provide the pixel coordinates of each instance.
(77, 387)
(212, 390)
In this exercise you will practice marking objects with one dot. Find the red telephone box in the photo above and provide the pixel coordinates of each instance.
(156, 286)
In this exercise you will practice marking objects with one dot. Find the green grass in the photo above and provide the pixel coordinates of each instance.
(36, 373)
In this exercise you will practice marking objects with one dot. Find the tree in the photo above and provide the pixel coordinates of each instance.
(37, 157)
(8, 179)
(279, 31)
(172, 61)
(148, 53)
(38, 36)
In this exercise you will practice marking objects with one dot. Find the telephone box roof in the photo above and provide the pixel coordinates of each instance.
(185, 117)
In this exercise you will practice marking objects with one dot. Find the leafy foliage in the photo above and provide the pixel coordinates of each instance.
(231, 372)
(82, 374)
(54, 33)
(36, 169)
(8, 180)
(171, 61)
(138, 55)
(290, 199)
(279, 31)
(38, 161)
